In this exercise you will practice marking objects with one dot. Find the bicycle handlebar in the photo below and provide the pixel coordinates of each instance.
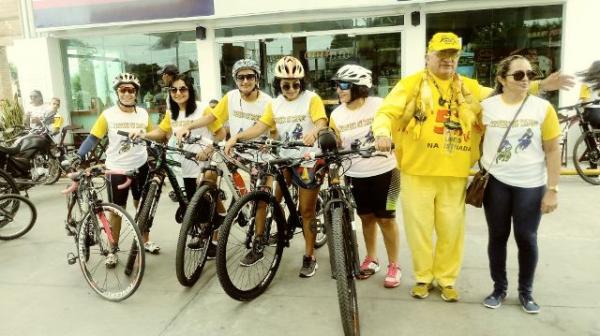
(187, 154)
(579, 105)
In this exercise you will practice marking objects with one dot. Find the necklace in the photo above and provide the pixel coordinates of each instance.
(442, 101)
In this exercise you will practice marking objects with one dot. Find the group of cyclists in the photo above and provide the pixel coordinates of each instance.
(433, 117)
(295, 114)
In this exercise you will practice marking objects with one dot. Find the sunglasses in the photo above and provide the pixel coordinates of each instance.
(287, 87)
(248, 77)
(519, 75)
(125, 89)
(182, 89)
(343, 85)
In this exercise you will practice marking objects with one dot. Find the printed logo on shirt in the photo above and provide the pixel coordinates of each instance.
(356, 124)
(518, 123)
(290, 119)
(246, 115)
(120, 125)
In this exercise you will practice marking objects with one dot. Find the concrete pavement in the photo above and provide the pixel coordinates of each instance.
(41, 295)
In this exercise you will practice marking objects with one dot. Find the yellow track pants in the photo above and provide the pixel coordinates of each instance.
(434, 203)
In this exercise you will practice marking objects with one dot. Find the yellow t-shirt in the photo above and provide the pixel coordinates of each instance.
(437, 151)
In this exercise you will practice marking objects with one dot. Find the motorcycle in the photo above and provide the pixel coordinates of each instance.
(32, 157)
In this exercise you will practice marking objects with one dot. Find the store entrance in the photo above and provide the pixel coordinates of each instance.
(321, 56)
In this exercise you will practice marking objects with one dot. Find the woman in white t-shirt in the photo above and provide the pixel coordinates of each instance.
(297, 114)
(124, 116)
(376, 180)
(524, 170)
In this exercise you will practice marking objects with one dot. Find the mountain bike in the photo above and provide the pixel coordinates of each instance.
(237, 238)
(200, 220)
(93, 225)
(159, 169)
(586, 152)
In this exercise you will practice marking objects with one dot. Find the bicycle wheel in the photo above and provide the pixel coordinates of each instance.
(585, 158)
(100, 235)
(7, 184)
(53, 171)
(240, 279)
(195, 236)
(143, 216)
(346, 287)
(17, 216)
(321, 237)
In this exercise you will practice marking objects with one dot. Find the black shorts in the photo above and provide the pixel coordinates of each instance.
(119, 196)
(376, 195)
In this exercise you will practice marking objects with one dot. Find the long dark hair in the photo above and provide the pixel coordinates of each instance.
(502, 70)
(190, 105)
(591, 76)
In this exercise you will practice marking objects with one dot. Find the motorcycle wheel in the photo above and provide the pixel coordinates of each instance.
(54, 171)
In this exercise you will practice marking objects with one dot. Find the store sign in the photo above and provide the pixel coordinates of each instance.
(65, 13)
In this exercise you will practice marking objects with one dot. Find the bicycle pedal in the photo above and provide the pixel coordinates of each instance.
(71, 258)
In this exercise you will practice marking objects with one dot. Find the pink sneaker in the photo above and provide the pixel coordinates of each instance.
(368, 267)
(392, 278)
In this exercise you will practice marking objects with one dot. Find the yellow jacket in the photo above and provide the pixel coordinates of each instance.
(432, 150)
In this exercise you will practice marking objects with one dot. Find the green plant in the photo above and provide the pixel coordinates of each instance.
(11, 118)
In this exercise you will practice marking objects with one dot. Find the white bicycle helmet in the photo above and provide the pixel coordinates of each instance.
(126, 78)
(354, 74)
(289, 67)
(242, 64)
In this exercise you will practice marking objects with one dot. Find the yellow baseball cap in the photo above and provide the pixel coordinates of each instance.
(444, 41)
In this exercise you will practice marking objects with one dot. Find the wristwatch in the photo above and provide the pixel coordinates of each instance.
(553, 188)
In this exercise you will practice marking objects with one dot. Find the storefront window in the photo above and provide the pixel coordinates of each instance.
(491, 35)
(93, 62)
(322, 56)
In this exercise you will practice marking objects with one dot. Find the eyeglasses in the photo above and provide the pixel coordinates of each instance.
(287, 87)
(182, 89)
(125, 89)
(248, 77)
(343, 85)
(519, 75)
(452, 54)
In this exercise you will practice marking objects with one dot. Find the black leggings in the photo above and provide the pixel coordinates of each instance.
(503, 202)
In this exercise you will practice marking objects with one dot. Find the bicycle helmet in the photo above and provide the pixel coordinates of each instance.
(327, 140)
(126, 78)
(355, 74)
(592, 115)
(289, 67)
(245, 64)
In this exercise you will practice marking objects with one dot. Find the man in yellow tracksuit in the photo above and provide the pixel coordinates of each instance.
(432, 118)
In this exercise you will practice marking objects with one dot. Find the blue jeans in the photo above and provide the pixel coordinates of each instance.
(504, 204)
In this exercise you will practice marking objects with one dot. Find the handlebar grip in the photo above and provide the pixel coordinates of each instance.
(124, 184)
(123, 133)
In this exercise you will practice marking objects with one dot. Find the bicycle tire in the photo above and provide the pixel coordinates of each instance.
(345, 282)
(581, 156)
(143, 217)
(54, 171)
(197, 223)
(93, 246)
(7, 184)
(232, 248)
(12, 211)
(321, 234)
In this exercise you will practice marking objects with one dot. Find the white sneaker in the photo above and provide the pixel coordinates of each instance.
(111, 260)
(151, 247)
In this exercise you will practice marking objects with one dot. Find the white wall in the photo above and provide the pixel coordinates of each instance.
(39, 65)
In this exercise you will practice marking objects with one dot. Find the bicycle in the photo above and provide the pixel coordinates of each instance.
(586, 152)
(89, 221)
(199, 222)
(156, 178)
(17, 216)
